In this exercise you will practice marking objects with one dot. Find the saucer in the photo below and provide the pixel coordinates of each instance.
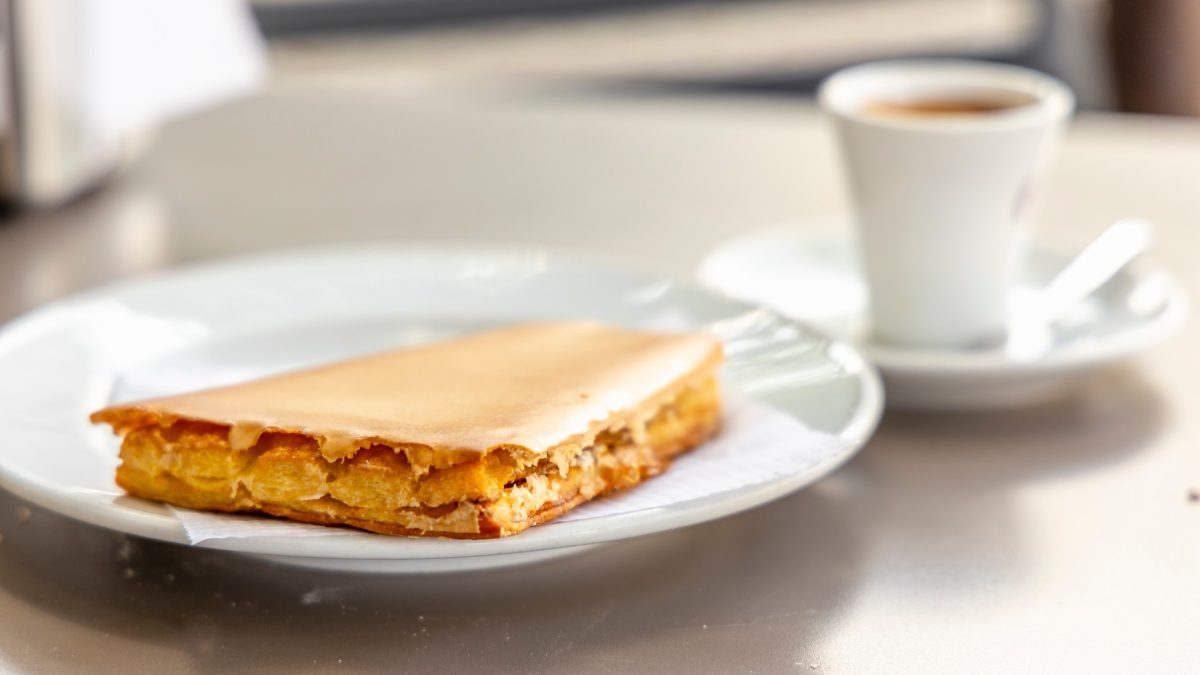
(814, 274)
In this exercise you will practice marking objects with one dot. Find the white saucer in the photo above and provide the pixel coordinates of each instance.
(813, 274)
(232, 320)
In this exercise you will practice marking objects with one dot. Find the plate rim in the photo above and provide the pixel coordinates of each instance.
(152, 520)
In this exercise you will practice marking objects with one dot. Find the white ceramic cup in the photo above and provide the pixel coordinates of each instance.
(942, 200)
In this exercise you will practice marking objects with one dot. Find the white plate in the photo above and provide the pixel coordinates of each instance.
(266, 314)
(812, 273)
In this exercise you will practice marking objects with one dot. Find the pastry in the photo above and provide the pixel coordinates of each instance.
(479, 436)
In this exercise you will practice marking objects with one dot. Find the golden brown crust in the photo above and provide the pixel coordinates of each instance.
(193, 465)
(529, 390)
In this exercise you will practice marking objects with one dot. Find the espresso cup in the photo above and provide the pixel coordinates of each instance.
(945, 161)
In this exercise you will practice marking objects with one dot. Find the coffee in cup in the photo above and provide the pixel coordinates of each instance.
(948, 103)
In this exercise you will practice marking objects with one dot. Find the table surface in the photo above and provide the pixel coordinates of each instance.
(1056, 538)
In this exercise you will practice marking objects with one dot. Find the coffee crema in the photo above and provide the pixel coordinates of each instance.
(948, 104)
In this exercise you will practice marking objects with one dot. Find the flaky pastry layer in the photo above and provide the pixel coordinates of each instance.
(193, 464)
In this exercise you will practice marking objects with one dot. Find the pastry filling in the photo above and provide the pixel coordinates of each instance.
(378, 487)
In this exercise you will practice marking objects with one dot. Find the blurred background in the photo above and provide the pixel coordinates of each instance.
(138, 133)
(86, 80)
(1129, 55)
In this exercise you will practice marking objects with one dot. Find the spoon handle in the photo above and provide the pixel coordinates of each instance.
(1099, 261)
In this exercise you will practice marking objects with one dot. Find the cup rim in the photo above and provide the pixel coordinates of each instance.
(843, 93)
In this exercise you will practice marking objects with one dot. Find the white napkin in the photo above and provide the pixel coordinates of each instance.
(126, 65)
(757, 444)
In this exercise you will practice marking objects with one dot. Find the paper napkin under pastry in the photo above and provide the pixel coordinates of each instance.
(756, 444)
